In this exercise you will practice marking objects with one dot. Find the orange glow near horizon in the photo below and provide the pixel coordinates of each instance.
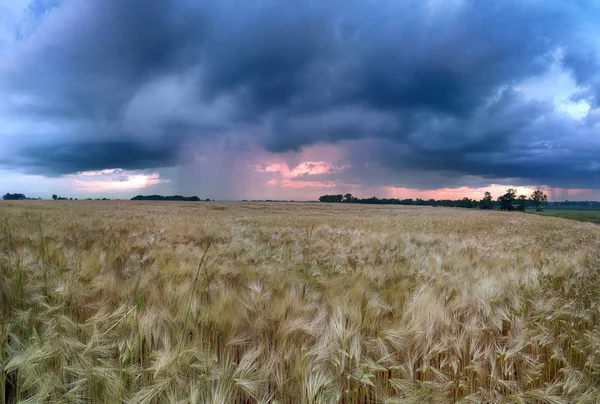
(477, 193)
(298, 177)
(308, 180)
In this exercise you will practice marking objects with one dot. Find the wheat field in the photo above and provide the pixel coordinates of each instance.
(146, 302)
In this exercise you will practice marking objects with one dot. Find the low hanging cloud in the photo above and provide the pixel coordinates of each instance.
(114, 180)
(412, 94)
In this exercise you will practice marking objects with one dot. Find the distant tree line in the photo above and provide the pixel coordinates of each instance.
(508, 201)
(61, 198)
(349, 198)
(20, 197)
(13, 197)
(17, 197)
(167, 198)
(574, 203)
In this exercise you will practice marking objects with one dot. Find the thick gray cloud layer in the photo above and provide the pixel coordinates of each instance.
(424, 87)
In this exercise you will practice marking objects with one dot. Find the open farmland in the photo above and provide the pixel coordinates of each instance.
(107, 302)
(591, 214)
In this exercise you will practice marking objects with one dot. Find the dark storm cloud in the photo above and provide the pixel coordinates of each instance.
(90, 57)
(585, 66)
(425, 88)
(522, 142)
(68, 158)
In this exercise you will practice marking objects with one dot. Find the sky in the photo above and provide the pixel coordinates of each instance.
(264, 99)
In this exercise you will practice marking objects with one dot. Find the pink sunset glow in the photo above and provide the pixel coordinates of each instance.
(477, 193)
(282, 176)
(306, 167)
(288, 183)
(296, 176)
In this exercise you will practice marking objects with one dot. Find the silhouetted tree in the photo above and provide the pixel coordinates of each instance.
(487, 201)
(508, 199)
(331, 198)
(538, 197)
(349, 198)
(54, 196)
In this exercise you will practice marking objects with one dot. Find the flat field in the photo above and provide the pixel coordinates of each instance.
(150, 302)
(581, 213)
